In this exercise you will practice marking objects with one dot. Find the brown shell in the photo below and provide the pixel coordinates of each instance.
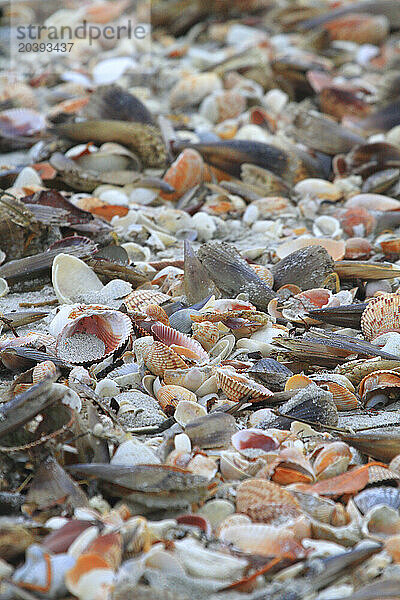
(158, 357)
(264, 501)
(157, 313)
(381, 316)
(236, 386)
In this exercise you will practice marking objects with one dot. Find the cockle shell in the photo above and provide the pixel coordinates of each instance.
(381, 316)
(264, 501)
(169, 397)
(386, 496)
(171, 337)
(158, 357)
(140, 299)
(206, 333)
(72, 279)
(43, 370)
(264, 273)
(236, 386)
(110, 327)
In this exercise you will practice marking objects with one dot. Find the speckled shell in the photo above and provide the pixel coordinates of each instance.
(157, 313)
(264, 273)
(169, 396)
(381, 316)
(236, 385)
(379, 380)
(264, 501)
(206, 333)
(111, 326)
(43, 370)
(140, 299)
(158, 357)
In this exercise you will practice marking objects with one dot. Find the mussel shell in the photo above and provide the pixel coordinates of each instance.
(371, 497)
(271, 372)
(306, 268)
(213, 430)
(342, 316)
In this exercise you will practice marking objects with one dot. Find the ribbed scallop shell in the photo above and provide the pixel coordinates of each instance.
(264, 273)
(112, 327)
(264, 501)
(236, 385)
(169, 396)
(371, 497)
(172, 337)
(206, 333)
(343, 398)
(43, 370)
(157, 313)
(140, 299)
(379, 380)
(381, 316)
(158, 357)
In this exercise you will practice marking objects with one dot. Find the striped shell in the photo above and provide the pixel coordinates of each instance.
(172, 337)
(158, 357)
(264, 274)
(139, 300)
(381, 316)
(111, 327)
(236, 385)
(206, 333)
(379, 380)
(343, 398)
(264, 501)
(43, 370)
(169, 396)
(157, 313)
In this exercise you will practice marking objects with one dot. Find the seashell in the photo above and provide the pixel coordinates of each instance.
(202, 562)
(43, 573)
(332, 460)
(182, 442)
(222, 349)
(264, 274)
(206, 333)
(346, 535)
(205, 466)
(317, 188)
(72, 279)
(136, 252)
(169, 396)
(357, 221)
(307, 268)
(171, 337)
(133, 452)
(381, 316)
(327, 226)
(391, 248)
(253, 442)
(191, 90)
(157, 313)
(158, 357)
(271, 372)
(215, 511)
(191, 378)
(264, 501)
(290, 466)
(43, 370)
(188, 410)
(222, 105)
(373, 202)
(89, 577)
(261, 539)
(380, 522)
(334, 248)
(237, 386)
(343, 398)
(357, 248)
(235, 467)
(210, 386)
(359, 28)
(4, 289)
(91, 333)
(321, 509)
(378, 384)
(371, 497)
(181, 321)
(140, 299)
(213, 430)
(185, 173)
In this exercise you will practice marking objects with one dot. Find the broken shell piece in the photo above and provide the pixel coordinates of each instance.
(381, 522)
(4, 289)
(187, 411)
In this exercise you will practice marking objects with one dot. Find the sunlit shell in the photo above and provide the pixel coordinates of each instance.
(185, 173)
(261, 539)
(158, 357)
(332, 460)
(381, 522)
(391, 248)
(191, 90)
(379, 380)
(158, 313)
(169, 397)
(72, 279)
(223, 105)
(298, 381)
(43, 370)
(188, 410)
(336, 249)
(110, 328)
(140, 299)
(357, 222)
(358, 248)
(264, 501)
(206, 333)
(373, 202)
(291, 466)
(381, 316)
(172, 337)
(236, 386)
(343, 398)
(264, 273)
(190, 378)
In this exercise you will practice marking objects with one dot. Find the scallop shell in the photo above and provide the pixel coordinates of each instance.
(111, 327)
(157, 313)
(206, 333)
(187, 411)
(371, 497)
(343, 398)
(381, 316)
(140, 299)
(171, 337)
(158, 357)
(263, 501)
(236, 386)
(169, 396)
(378, 380)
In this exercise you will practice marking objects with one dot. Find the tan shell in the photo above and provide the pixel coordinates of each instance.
(265, 501)
(236, 385)
(139, 300)
(206, 333)
(381, 316)
(158, 357)
(169, 396)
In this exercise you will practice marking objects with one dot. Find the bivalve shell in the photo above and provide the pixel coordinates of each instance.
(236, 386)
(381, 316)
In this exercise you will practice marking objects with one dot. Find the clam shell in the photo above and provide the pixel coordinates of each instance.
(381, 316)
(111, 327)
(191, 90)
(158, 357)
(261, 539)
(187, 411)
(371, 497)
(213, 430)
(222, 349)
(379, 380)
(236, 386)
(380, 522)
(332, 460)
(191, 378)
(72, 279)
(335, 249)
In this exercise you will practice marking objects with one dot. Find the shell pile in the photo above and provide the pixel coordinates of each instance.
(200, 300)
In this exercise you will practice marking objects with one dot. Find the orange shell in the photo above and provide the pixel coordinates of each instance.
(298, 381)
(169, 396)
(381, 316)
(358, 248)
(85, 563)
(140, 299)
(186, 172)
(332, 460)
(264, 501)
(391, 247)
(291, 467)
(158, 357)
(206, 333)
(357, 221)
(20, 388)
(343, 398)
(105, 12)
(108, 547)
(359, 28)
(173, 337)
(158, 313)
(264, 274)
(379, 380)
(43, 370)
(236, 385)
